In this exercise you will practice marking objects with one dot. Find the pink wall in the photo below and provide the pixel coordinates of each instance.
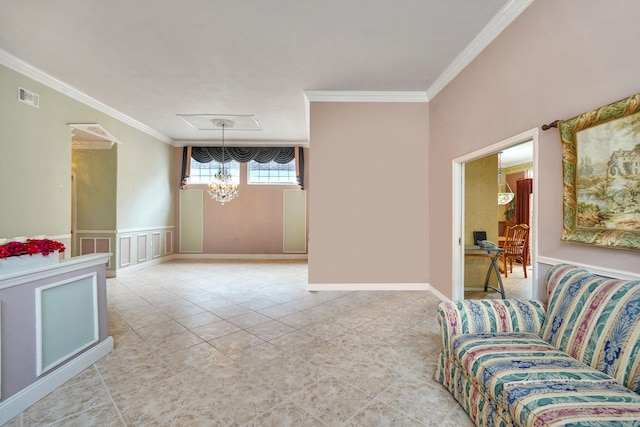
(250, 224)
(557, 60)
(368, 202)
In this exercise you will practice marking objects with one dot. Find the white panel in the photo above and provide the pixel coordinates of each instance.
(155, 245)
(66, 320)
(125, 251)
(92, 245)
(168, 242)
(142, 247)
(295, 221)
(191, 221)
(87, 245)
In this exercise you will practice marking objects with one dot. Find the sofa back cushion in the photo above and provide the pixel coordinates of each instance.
(596, 320)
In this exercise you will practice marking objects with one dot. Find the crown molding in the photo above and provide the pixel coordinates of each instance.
(39, 76)
(365, 96)
(518, 168)
(500, 21)
(238, 143)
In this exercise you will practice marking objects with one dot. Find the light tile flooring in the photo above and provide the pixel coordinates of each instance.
(243, 343)
(515, 286)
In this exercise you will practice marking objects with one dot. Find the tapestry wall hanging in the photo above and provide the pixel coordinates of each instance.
(601, 176)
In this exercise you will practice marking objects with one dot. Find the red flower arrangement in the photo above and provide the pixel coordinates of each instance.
(30, 247)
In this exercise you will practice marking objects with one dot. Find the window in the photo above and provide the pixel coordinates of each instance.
(203, 173)
(272, 173)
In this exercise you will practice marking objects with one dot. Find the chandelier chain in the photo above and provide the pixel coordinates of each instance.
(222, 189)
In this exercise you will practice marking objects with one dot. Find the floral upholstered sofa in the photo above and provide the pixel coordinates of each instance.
(575, 361)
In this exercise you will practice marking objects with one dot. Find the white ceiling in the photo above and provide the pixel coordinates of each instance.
(150, 61)
(517, 155)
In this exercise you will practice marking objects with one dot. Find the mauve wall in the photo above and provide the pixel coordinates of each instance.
(557, 60)
(368, 201)
(248, 225)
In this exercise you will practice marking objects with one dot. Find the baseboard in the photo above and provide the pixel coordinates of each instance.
(140, 266)
(368, 287)
(439, 294)
(229, 257)
(242, 256)
(36, 391)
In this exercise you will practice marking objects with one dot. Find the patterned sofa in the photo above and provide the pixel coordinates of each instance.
(574, 362)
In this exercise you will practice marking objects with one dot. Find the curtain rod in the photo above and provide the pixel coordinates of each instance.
(553, 124)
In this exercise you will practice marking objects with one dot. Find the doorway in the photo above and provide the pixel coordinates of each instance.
(459, 232)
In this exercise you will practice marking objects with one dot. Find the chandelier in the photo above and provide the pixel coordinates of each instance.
(505, 194)
(222, 189)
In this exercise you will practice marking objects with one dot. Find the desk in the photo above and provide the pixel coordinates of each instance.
(494, 254)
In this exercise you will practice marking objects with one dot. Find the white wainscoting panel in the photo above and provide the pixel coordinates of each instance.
(142, 247)
(66, 320)
(125, 251)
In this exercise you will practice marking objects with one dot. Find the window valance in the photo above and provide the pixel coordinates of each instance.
(279, 155)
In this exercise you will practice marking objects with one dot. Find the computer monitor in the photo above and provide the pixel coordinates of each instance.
(479, 235)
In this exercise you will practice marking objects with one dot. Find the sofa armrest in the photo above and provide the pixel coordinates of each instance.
(488, 316)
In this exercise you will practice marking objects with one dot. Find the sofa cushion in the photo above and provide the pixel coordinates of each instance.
(494, 361)
(570, 403)
(595, 320)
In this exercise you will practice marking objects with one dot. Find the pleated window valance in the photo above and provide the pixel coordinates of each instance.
(279, 155)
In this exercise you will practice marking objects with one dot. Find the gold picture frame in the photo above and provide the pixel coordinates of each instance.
(601, 176)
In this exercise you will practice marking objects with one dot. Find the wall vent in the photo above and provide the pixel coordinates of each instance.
(28, 97)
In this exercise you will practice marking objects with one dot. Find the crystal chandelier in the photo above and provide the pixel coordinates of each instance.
(222, 189)
(505, 195)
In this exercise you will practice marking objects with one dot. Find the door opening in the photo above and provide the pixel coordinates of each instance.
(460, 232)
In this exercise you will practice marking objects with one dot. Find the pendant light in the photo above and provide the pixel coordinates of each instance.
(222, 189)
(505, 194)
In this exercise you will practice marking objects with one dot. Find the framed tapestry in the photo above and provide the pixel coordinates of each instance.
(601, 175)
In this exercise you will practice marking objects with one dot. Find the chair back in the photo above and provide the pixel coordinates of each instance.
(516, 240)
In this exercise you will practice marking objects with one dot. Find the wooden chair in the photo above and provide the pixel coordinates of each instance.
(516, 244)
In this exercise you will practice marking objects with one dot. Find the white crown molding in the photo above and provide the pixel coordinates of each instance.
(365, 96)
(500, 21)
(22, 67)
(237, 143)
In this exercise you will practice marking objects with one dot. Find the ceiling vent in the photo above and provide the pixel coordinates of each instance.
(28, 97)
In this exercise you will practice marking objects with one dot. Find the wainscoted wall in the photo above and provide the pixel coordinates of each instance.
(128, 248)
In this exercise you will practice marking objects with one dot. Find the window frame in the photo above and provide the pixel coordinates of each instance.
(235, 174)
(290, 173)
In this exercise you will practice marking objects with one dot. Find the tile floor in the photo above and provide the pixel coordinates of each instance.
(515, 286)
(244, 344)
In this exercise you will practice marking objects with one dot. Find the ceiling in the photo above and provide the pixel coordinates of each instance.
(150, 61)
(517, 155)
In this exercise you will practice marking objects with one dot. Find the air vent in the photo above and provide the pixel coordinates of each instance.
(28, 97)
